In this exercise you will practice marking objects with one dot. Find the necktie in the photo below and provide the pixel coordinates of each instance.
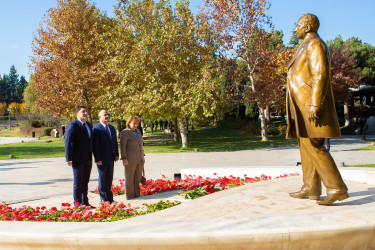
(106, 128)
(87, 131)
(84, 125)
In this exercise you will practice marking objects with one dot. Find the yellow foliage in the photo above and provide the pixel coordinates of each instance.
(18, 108)
(3, 108)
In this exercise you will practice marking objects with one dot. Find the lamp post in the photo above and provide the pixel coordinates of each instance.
(27, 112)
(16, 108)
(10, 111)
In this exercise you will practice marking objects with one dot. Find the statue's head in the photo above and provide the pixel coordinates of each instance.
(307, 23)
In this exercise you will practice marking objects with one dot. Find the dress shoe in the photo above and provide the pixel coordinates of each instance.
(92, 207)
(304, 194)
(331, 198)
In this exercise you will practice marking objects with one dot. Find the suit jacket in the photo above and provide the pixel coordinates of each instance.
(105, 147)
(132, 147)
(78, 144)
(309, 84)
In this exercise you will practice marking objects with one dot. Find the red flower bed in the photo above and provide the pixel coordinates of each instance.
(67, 212)
(191, 183)
(196, 187)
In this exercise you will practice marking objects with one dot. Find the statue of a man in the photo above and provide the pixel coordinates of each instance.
(312, 114)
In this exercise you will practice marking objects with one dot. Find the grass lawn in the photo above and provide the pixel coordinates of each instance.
(208, 140)
(361, 166)
(32, 150)
(371, 147)
(213, 140)
(14, 132)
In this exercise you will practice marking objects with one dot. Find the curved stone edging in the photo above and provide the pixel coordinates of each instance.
(255, 216)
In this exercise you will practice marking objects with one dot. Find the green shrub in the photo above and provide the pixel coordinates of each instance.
(252, 128)
(6, 117)
(282, 129)
(272, 130)
(231, 123)
(37, 123)
(45, 131)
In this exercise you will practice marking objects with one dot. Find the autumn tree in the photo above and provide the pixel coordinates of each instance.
(241, 27)
(164, 62)
(3, 108)
(66, 57)
(344, 75)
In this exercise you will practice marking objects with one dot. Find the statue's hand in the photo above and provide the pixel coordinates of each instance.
(313, 113)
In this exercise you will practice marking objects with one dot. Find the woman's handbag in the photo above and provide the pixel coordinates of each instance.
(143, 178)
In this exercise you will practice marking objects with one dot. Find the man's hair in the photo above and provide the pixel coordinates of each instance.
(132, 118)
(312, 20)
(79, 108)
(101, 111)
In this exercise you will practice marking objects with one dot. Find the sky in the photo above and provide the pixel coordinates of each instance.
(19, 20)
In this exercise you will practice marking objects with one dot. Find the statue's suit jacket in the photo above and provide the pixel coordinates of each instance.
(309, 83)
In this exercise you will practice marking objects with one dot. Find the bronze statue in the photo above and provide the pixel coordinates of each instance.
(311, 114)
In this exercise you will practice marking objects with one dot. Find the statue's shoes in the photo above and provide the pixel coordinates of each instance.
(304, 194)
(331, 198)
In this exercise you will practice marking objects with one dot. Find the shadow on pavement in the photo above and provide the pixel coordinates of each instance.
(19, 163)
(368, 197)
(15, 168)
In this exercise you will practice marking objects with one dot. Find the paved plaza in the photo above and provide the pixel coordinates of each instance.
(260, 215)
(26, 180)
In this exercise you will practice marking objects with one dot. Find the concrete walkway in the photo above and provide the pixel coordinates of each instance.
(34, 179)
(8, 140)
(255, 216)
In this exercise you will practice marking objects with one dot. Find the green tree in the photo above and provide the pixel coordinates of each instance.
(12, 84)
(164, 63)
(364, 54)
(293, 40)
(3, 89)
(20, 88)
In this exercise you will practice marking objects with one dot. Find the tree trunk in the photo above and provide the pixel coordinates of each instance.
(263, 124)
(184, 137)
(346, 113)
(252, 81)
(175, 128)
(87, 105)
(268, 115)
(119, 128)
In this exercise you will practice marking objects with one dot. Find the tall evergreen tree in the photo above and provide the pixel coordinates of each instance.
(20, 88)
(3, 88)
(12, 84)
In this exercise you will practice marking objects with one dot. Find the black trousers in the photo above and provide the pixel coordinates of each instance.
(105, 181)
(81, 174)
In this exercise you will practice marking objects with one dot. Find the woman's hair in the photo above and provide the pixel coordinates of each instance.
(131, 119)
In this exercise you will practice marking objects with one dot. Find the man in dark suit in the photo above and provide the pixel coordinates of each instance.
(161, 124)
(105, 153)
(78, 154)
